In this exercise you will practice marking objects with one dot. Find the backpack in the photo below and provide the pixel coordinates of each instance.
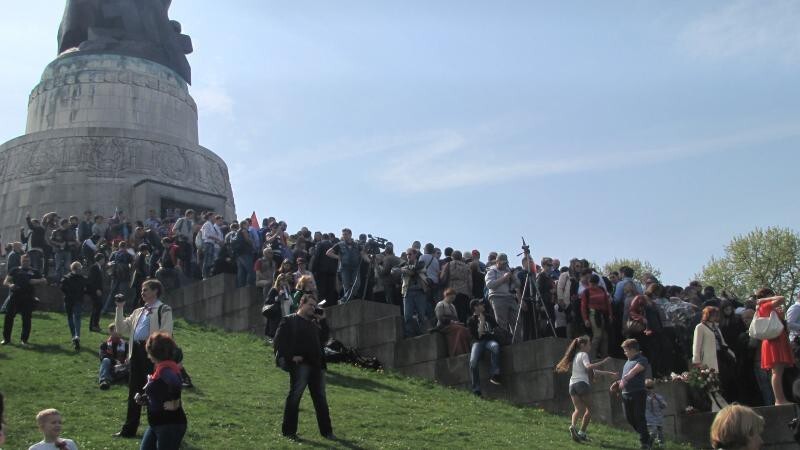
(166, 259)
(239, 244)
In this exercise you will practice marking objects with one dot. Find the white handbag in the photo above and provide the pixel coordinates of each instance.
(766, 328)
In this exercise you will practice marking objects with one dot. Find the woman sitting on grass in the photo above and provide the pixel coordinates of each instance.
(576, 359)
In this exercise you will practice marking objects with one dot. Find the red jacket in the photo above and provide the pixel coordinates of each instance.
(595, 298)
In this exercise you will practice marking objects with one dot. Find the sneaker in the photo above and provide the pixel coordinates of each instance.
(574, 433)
(105, 385)
(582, 436)
(124, 434)
(477, 394)
(292, 437)
(329, 436)
(495, 379)
(76, 343)
(4, 342)
(95, 329)
(25, 344)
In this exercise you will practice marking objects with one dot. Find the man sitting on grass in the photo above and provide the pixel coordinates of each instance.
(113, 358)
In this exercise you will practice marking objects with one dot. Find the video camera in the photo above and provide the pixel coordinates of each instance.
(375, 244)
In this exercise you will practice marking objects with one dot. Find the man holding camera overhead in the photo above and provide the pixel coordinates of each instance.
(153, 316)
(298, 345)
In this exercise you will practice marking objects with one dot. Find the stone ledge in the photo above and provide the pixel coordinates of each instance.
(357, 312)
(423, 348)
(381, 331)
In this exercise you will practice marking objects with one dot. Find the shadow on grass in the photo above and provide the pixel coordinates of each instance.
(344, 443)
(44, 316)
(62, 349)
(194, 390)
(341, 380)
(349, 444)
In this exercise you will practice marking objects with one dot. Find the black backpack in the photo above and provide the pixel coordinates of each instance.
(239, 244)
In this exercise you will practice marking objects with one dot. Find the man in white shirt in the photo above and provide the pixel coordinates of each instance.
(212, 240)
(153, 316)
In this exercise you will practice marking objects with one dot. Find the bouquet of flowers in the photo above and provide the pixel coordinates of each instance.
(704, 379)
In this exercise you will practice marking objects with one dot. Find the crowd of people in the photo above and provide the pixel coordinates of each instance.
(479, 306)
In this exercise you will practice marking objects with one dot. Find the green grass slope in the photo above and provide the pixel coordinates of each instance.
(238, 401)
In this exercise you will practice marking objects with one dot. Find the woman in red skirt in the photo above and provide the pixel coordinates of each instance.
(776, 354)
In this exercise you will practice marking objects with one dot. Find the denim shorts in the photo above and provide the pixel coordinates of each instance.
(580, 388)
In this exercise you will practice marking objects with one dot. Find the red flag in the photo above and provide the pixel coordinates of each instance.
(254, 221)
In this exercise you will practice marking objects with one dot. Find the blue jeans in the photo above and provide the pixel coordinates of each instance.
(414, 301)
(105, 369)
(764, 385)
(209, 256)
(63, 259)
(475, 357)
(74, 310)
(37, 260)
(300, 376)
(244, 266)
(163, 437)
(349, 283)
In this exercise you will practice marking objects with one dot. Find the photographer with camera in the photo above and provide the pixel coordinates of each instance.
(298, 345)
(387, 261)
(154, 316)
(413, 290)
(348, 252)
(503, 284)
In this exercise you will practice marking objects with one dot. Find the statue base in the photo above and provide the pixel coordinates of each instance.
(107, 132)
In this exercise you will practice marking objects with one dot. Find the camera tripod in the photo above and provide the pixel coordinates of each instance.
(537, 300)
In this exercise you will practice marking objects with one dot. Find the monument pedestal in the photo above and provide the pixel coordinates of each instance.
(106, 132)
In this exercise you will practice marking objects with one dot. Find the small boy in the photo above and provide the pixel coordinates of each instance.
(49, 422)
(634, 393)
(113, 358)
(654, 411)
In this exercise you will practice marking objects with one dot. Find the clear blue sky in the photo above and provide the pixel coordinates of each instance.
(648, 129)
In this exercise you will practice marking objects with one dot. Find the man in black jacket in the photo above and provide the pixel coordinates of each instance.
(324, 269)
(21, 282)
(94, 288)
(482, 327)
(298, 344)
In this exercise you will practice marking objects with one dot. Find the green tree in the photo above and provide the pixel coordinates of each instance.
(761, 258)
(640, 267)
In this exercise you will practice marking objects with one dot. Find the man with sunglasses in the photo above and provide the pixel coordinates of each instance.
(298, 345)
(153, 316)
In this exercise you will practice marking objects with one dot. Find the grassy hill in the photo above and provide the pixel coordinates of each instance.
(238, 401)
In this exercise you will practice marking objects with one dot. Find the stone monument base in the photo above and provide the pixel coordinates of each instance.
(109, 132)
(102, 169)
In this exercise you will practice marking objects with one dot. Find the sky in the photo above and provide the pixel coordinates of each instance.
(601, 130)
